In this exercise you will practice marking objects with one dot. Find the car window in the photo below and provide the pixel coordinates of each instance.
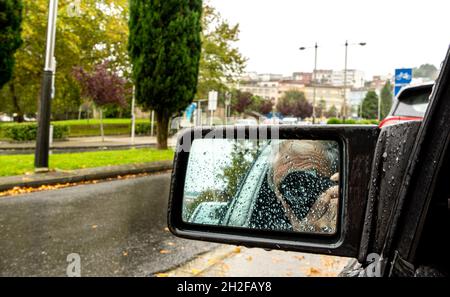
(413, 103)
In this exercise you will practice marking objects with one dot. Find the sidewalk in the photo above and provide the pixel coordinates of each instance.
(88, 143)
(233, 261)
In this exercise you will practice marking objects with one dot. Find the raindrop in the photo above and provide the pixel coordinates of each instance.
(385, 155)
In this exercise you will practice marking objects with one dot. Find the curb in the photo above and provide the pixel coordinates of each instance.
(80, 175)
(201, 263)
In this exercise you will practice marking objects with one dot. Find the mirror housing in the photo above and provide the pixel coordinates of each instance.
(357, 145)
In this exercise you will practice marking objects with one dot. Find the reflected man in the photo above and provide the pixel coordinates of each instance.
(305, 178)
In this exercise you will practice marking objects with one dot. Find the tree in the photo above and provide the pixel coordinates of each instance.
(10, 39)
(220, 61)
(386, 99)
(370, 105)
(294, 103)
(242, 157)
(241, 101)
(164, 47)
(332, 112)
(425, 71)
(321, 108)
(265, 106)
(96, 35)
(103, 87)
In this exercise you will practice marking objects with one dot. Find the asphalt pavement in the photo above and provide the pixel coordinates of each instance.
(117, 228)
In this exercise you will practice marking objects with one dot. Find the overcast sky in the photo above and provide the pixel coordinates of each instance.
(399, 33)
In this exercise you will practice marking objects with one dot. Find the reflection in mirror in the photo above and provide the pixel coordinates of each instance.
(276, 185)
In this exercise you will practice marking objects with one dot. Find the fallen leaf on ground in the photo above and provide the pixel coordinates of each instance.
(125, 253)
(170, 244)
(195, 271)
(94, 226)
(164, 252)
(312, 271)
(166, 229)
(162, 275)
(237, 249)
(249, 258)
(300, 257)
(327, 261)
(25, 190)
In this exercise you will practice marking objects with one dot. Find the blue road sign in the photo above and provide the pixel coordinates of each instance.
(403, 77)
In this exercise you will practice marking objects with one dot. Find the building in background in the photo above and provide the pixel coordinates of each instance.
(331, 95)
(329, 87)
(355, 78)
(265, 89)
(302, 77)
(323, 77)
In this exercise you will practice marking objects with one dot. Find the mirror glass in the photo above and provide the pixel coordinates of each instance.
(276, 185)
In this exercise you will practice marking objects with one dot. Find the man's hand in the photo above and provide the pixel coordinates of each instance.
(323, 214)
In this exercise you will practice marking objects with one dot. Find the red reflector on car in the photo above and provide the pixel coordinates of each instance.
(392, 120)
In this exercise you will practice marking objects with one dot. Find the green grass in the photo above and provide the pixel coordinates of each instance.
(21, 164)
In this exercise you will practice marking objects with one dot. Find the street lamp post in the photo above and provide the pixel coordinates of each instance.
(43, 133)
(344, 109)
(314, 81)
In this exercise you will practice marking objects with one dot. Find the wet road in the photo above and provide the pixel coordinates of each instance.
(117, 228)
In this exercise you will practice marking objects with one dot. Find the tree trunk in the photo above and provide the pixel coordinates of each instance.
(102, 133)
(20, 117)
(162, 129)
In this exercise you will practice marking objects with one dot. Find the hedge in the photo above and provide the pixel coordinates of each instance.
(94, 130)
(109, 129)
(145, 128)
(28, 132)
(336, 121)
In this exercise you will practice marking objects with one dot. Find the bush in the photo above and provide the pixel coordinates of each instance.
(94, 130)
(334, 121)
(111, 127)
(61, 132)
(349, 122)
(364, 122)
(28, 132)
(367, 122)
(144, 128)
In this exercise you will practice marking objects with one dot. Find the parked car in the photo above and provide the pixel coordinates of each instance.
(289, 121)
(409, 105)
(5, 118)
(272, 121)
(387, 199)
(246, 122)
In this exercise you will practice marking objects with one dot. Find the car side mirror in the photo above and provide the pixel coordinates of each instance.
(279, 187)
